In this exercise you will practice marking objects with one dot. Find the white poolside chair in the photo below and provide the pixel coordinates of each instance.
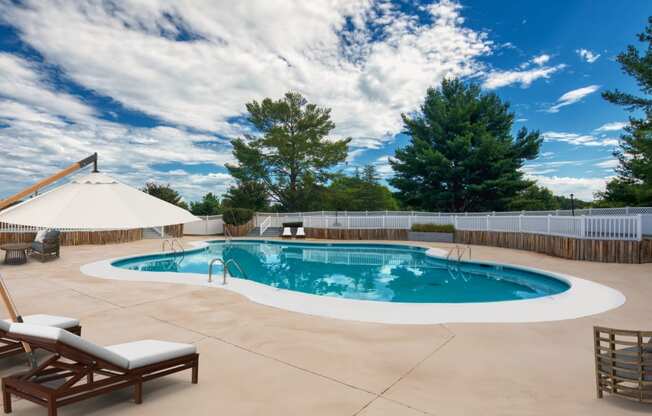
(301, 233)
(287, 232)
(79, 369)
(10, 347)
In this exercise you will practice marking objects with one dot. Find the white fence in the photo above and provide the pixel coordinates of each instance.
(604, 227)
(601, 227)
(17, 228)
(208, 225)
(277, 219)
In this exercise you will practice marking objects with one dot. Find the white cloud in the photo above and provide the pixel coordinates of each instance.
(498, 79)
(608, 164)
(573, 96)
(367, 76)
(578, 139)
(354, 154)
(26, 86)
(231, 54)
(383, 167)
(614, 126)
(47, 130)
(588, 55)
(541, 59)
(582, 188)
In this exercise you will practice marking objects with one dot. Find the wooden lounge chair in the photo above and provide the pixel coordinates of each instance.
(48, 246)
(301, 233)
(10, 347)
(287, 232)
(80, 369)
(623, 363)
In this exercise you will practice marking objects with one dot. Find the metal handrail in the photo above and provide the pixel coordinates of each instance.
(225, 266)
(170, 242)
(265, 225)
(460, 252)
(227, 234)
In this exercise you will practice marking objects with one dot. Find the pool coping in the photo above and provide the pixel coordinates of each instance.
(583, 298)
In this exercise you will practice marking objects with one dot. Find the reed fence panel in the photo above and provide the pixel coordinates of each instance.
(607, 251)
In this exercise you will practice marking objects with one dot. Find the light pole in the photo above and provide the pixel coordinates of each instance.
(572, 206)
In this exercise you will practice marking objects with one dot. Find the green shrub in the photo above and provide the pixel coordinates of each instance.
(433, 228)
(237, 216)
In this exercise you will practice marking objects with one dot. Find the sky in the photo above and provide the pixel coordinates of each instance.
(158, 88)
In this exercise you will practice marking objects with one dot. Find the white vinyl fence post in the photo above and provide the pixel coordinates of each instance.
(487, 223)
(639, 228)
(548, 228)
(520, 223)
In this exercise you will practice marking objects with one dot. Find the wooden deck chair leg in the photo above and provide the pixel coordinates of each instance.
(6, 399)
(195, 372)
(138, 392)
(52, 406)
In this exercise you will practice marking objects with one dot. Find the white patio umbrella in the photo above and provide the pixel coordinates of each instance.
(95, 202)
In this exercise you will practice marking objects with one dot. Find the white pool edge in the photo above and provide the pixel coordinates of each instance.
(583, 298)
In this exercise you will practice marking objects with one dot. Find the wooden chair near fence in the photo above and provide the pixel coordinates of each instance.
(623, 363)
(46, 244)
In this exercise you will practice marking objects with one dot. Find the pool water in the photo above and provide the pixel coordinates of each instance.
(380, 272)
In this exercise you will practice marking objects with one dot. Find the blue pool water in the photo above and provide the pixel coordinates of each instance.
(381, 272)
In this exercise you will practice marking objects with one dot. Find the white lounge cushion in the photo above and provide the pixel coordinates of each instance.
(287, 232)
(61, 335)
(146, 352)
(301, 232)
(45, 320)
(40, 236)
(51, 320)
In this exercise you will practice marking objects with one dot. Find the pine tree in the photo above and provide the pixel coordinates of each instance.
(633, 186)
(462, 155)
(292, 157)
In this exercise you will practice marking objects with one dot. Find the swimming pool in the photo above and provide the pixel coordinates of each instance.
(376, 272)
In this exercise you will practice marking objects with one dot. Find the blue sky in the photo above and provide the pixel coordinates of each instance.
(158, 88)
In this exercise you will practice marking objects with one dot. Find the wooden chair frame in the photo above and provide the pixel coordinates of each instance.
(9, 346)
(81, 375)
(623, 363)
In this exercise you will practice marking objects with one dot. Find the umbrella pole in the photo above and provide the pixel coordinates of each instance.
(15, 317)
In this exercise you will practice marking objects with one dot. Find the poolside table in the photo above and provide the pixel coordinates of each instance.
(15, 253)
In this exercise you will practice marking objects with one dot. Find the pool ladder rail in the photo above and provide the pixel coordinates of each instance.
(225, 266)
(175, 247)
(453, 267)
(460, 250)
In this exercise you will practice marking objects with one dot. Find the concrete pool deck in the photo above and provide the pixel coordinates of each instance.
(256, 359)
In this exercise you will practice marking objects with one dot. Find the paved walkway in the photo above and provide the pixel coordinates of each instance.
(257, 360)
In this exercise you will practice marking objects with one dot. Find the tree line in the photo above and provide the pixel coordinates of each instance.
(462, 156)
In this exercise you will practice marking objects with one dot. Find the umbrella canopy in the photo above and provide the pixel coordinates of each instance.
(95, 202)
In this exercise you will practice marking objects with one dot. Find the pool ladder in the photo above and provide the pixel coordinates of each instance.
(460, 250)
(453, 267)
(175, 247)
(225, 266)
